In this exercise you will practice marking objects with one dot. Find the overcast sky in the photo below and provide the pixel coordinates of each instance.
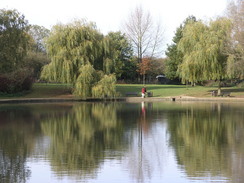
(109, 14)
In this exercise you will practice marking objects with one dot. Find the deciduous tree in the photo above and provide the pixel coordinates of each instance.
(39, 34)
(14, 45)
(145, 35)
(174, 55)
(118, 51)
(37, 56)
(144, 67)
(71, 46)
(204, 49)
(14, 40)
(235, 12)
(79, 53)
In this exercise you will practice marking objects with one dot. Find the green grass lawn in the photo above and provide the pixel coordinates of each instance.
(167, 90)
(43, 90)
(177, 90)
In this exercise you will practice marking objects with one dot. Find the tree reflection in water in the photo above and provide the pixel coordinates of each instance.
(207, 140)
(81, 139)
(146, 154)
(17, 140)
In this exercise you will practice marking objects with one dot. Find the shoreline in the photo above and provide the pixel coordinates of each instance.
(122, 99)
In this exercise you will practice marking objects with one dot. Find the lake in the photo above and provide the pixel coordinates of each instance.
(173, 142)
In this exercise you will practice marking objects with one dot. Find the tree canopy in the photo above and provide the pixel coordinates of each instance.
(70, 47)
(81, 55)
(235, 12)
(204, 48)
(145, 35)
(174, 55)
(14, 45)
(118, 52)
(39, 34)
(14, 40)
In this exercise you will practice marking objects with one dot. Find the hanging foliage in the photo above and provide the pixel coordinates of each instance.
(204, 49)
(87, 78)
(105, 87)
(174, 56)
(79, 56)
(70, 47)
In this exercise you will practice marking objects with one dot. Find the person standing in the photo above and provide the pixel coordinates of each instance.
(143, 92)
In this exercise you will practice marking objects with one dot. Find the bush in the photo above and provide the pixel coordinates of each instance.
(15, 82)
(241, 84)
(4, 83)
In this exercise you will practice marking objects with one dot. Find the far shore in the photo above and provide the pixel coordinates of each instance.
(123, 99)
(50, 93)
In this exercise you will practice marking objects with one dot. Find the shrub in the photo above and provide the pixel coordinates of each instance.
(15, 82)
(241, 84)
(4, 83)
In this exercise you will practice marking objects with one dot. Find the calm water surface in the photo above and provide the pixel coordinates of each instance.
(122, 142)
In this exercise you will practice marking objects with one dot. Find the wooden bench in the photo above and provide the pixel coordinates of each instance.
(131, 94)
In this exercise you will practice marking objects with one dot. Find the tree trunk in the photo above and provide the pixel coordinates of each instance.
(144, 76)
(219, 88)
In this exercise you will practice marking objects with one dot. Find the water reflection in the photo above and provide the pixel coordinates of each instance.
(146, 154)
(82, 139)
(207, 140)
(16, 141)
(144, 142)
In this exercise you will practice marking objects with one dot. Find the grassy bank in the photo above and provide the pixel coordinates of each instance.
(64, 91)
(177, 90)
(41, 90)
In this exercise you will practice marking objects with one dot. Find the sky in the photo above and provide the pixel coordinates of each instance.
(109, 15)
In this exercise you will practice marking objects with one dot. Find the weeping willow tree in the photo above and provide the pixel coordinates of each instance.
(70, 47)
(94, 83)
(105, 87)
(78, 51)
(85, 81)
(204, 49)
